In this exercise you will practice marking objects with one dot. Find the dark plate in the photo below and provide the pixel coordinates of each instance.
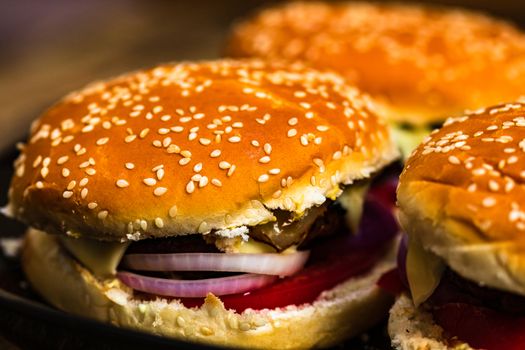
(29, 323)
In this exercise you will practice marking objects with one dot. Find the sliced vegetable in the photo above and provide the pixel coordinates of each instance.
(481, 327)
(195, 288)
(266, 264)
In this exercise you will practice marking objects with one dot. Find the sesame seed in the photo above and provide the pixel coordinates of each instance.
(122, 183)
(234, 139)
(160, 174)
(493, 185)
(37, 161)
(454, 160)
(216, 182)
(204, 141)
(62, 160)
(215, 153)
(159, 223)
(159, 191)
(102, 214)
(224, 165)
(292, 121)
(172, 212)
(197, 168)
(149, 181)
(186, 153)
(130, 166)
(65, 172)
(231, 170)
(304, 140)
(184, 161)
(274, 171)
(203, 181)
(488, 202)
(319, 162)
(263, 178)
(264, 160)
(84, 193)
(44, 172)
(67, 194)
(267, 148)
(88, 128)
(130, 138)
(83, 182)
(39, 184)
(291, 133)
(92, 205)
(166, 142)
(102, 141)
(322, 128)
(255, 143)
(190, 187)
(309, 115)
(71, 185)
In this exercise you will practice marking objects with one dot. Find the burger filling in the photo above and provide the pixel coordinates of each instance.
(288, 261)
(483, 317)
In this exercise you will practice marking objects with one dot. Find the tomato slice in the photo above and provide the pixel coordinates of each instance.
(391, 282)
(303, 287)
(481, 327)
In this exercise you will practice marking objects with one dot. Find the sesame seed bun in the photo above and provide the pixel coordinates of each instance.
(421, 63)
(412, 328)
(462, 195)
(341, 312)
(192, 147)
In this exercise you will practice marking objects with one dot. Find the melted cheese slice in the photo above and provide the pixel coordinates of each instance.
(102, 258)
(352, 199)
(424, 271)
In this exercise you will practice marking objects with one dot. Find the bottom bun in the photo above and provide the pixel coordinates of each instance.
(344, 311)
(411, 328)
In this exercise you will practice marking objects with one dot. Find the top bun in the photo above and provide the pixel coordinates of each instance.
(193, 147)
(421, 63)
(462, 194)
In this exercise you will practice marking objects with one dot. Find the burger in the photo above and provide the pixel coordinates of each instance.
(420, 63)
(226, 202)
(461, 199)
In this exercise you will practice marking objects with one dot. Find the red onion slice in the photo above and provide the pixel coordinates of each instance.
(265, 264)
(195, 288)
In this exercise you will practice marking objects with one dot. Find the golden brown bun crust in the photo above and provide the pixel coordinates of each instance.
(191, 147)
(339, 313)
(412, 328)
(462, 194)
(422, 63)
